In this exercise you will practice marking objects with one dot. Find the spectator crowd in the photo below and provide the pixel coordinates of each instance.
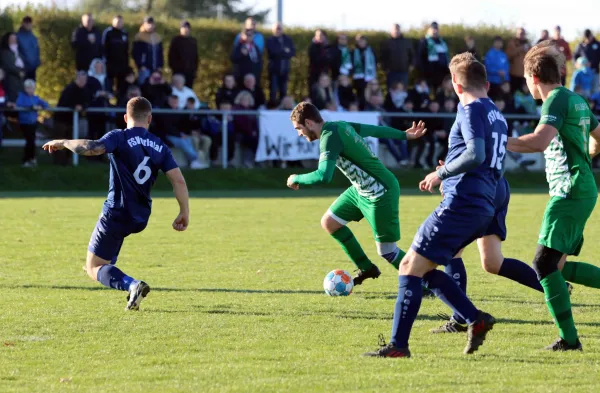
(342, 76)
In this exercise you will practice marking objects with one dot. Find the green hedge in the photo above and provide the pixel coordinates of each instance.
(215, 39)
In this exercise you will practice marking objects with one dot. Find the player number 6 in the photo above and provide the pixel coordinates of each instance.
(142, 168)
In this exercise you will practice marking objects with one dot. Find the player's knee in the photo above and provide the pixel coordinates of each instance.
(491, 264)
(329, 224)
(546, 261)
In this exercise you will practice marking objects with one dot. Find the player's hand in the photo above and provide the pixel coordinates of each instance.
(291, 184)
(430, 182)
(55, 145)
(416, 131)
(181, 222)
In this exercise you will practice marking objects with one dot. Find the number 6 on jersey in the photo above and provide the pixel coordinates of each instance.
(142, 168)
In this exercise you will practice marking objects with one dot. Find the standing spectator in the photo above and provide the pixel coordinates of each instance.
(100, 90)
(516, 49)
(76, 96)
(397, 57)
(29, 48)
(433, 57)
(28, 120)
(246, 126)
(259, 39)
(343, 92)
(497, 67)
(246, 58)
(318, 57)
(590, 48)
(364, 65)
(147, 50)
(183, 55)
(183, 92)
(322, 93)
(87, 42)
(544, 36)
(341, 59)
(13, 66)
(227, 91)
(564, 47)
(258, 95)
(470, 46)
(156, 90)
(583, 78)
(115, 41)
(281, 50)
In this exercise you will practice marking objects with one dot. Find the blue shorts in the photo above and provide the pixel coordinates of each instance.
(108, 235)
(445, 232)
(498, 224)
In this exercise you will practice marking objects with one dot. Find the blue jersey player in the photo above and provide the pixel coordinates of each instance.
(471, 173)
(135, 157)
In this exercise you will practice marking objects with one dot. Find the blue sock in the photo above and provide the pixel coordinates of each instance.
(456, 270)
(407, 308)
(447, 291)
(112, 277)
(520, 272)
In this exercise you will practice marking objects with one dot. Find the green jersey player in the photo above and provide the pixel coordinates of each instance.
(563, 134)
(374, 193)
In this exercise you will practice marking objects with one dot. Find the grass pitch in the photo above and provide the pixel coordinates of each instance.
(237, 306)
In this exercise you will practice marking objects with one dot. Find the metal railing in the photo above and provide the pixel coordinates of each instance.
(225, 121)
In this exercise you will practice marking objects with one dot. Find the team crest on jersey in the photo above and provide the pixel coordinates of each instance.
(548, 118)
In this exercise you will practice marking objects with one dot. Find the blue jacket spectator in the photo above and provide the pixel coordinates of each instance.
(281, 50)
(29, 48)
(28, 120)
(497, 64)
(147, 50)
(259, 39)
(87, 42)
(582, 79)
(26, 100)
(589, 48)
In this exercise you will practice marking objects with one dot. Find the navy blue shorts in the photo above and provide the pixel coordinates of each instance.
(498, 224)
(445, 232)
(108, 236)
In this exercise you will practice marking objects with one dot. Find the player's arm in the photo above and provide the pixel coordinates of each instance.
(181, 194)
(536, 142)
(594, 148)
(367, 130)
(331, 146)
(84, 147)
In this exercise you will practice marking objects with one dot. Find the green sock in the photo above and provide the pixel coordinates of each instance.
(582, 273)
(559, 304)
(398, 259)
(352, 248)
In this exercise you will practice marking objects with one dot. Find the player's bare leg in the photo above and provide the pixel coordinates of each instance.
(109, 275)
(337, 228)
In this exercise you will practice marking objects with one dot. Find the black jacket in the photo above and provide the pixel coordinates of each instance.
(157, 94)
(319, 59)
(183, 55)
(345, 96)
(86, 51)
(279, 58)
(70, 97)
(244, 64)
(591, 51)
(397, 54)
(116, 51)
(225, 95)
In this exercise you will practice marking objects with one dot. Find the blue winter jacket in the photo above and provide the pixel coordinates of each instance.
(495, 61)
(29, 49)
(26, 101)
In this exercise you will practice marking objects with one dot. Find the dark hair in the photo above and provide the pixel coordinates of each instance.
(587, 33)
(191, 99)
(498, 38)
(139, 108)
(306, 111)
(545, 62)
(173, 96)
(27, 19)
(469, 72)
(4, 41)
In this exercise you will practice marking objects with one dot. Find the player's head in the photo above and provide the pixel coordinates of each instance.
(468, 74)
(139, 112)
(307, 120)
(543, 65)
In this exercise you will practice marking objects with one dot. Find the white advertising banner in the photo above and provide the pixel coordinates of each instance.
(278, 140)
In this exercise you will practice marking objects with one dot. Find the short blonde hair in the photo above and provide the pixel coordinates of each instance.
(469, 72)
(243, 94)
(545, 61)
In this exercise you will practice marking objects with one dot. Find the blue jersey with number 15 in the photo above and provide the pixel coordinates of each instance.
(474, 191)
(135, 157)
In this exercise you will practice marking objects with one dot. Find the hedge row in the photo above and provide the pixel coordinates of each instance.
(215, 39)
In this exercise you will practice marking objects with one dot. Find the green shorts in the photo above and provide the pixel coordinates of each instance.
(381, 213)
(564, 222)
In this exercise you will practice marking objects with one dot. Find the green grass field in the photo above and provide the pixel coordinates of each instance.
(237, 306)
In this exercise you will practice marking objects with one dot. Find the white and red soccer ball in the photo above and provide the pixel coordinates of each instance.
(338, 283)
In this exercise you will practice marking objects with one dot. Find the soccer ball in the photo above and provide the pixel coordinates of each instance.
(338, 283)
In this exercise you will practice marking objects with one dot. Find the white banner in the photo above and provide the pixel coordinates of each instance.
(278, 140)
